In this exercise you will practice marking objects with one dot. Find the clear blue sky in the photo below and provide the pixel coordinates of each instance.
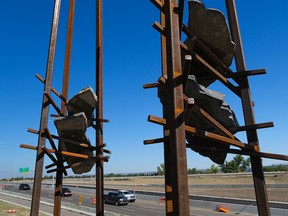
(131, 59)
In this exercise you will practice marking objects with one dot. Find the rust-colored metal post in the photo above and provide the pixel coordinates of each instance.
(65, 87)
(176, 179)
(99, 110)
(247, 104)
(36, 194)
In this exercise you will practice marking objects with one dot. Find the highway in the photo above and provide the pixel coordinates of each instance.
(149, 204)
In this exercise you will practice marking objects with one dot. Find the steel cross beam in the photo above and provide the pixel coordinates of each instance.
(176, 179)
(257, 167)
(36, 194)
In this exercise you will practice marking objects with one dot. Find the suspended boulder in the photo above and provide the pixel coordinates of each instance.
(85, 101)
(72, 132)
(209, 26)
(213, 103)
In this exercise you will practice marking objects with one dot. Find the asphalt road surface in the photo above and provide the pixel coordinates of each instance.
(145, 205)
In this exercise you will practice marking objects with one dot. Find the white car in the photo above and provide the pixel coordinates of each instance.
(131, 197)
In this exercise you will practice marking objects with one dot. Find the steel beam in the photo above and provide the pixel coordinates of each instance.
(65, 87)
(176, 179)
(36, 194)
(247, 104)
(99, 110)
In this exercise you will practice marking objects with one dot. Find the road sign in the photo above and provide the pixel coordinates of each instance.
(24, 170)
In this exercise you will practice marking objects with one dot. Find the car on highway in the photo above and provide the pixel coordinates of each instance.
(24, 186)
(131, 197)
(115, 198)
(66, 192)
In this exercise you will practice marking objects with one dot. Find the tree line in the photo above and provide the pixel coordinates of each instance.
(236, 165)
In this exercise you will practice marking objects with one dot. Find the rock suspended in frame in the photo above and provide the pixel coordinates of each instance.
(73, 131)
(85, 101)
(213, 103)
(209, 26)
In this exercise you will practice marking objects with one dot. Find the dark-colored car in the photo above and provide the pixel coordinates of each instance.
(24, 186)
(66, 192)
(115, 198)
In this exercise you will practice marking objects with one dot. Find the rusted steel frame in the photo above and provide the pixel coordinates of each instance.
(158, 4)
(186, 70)
(168, 160)
(73, 142)
(242, 152)
(49, 137)
(202, 113)
(206, 49)
(228, 72)
(199, 43)
(54, 151)
(99, 109)
(106, 158)
(48, 153)
(52, 89)
(54, 160)
(150, 85)
(58, 169)
(256, 126)
(176, 179)
(205, 134)
(180, 11)
(50, 165)
(211, 69)
(252, 137)
(156, 140)
(52, 102)
(84, 145)
(160, 28)
(68, 52)
(65, 87)
(100, 120)
(246, 73)
(36, 193)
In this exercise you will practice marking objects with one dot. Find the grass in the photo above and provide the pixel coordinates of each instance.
(20, 211)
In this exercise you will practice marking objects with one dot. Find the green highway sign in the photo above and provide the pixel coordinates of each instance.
(24, 170)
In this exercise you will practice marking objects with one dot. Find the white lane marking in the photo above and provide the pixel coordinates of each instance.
(127, 209)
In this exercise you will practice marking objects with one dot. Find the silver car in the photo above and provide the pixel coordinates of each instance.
(131, 197)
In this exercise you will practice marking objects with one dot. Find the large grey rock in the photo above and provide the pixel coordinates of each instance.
(74, 128)
(85, 101)
(210, 26)
(213, 103)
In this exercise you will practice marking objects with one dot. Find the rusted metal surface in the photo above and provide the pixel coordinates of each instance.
(55, 151)
(68, 52)
(36, 194)
(99, 109)
(176, 179)
(244, 152)
(205, 134)
(65, 87)
(247, 104)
